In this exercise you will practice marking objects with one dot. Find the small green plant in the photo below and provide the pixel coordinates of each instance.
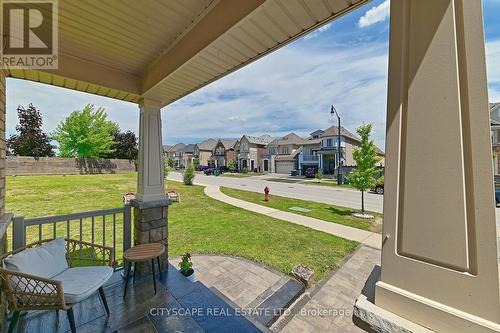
(232, 166)
(318, 175)
(188, 175)
(196, 164)
(171, 162)
(186, 265)
(165, 168)
(244, 170)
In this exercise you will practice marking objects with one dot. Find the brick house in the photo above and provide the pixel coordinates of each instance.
(223, 152)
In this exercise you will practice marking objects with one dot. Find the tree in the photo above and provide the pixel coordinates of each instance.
(86, 133)
(366, 158)
(125, 146)
(318, 175)
(31, 141)
(196, 164)
(188, 175)
(232, 166)
(171, 162)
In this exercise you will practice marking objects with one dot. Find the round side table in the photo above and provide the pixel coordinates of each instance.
(140, 253)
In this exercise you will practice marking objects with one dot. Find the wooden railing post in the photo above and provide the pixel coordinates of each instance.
(127, 227)
(18, 233)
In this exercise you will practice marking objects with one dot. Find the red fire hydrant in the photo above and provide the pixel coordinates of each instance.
(266, 193)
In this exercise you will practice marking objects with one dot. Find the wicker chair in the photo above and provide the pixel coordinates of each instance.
(30, 292)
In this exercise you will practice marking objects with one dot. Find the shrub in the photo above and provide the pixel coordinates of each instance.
(186, 265)
(232, 166)
(165, 168)
(244, 170)
(318, 175)
(188, 175)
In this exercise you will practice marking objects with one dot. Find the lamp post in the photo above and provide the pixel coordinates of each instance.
(334, 112)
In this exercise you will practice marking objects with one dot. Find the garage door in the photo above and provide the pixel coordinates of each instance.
(284, 167)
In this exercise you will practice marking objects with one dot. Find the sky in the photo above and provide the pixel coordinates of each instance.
(343, 63)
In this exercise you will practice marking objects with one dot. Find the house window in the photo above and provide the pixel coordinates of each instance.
(284, 150)
(329, 142)
(271, 151)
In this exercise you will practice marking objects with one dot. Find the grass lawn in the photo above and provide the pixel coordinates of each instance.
(326, 182)
(198, 224)
(242, 175)
(318, 210)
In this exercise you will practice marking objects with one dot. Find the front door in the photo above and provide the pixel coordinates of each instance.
(266, 165)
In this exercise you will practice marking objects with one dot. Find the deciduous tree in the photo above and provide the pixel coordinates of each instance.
(30, 140)
(366, 158)
(86, 133)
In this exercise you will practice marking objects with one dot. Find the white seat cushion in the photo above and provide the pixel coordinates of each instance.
(81, 282)
(45, 261)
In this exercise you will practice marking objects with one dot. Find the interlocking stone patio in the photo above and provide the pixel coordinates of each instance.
(338, 292)
(244, 282)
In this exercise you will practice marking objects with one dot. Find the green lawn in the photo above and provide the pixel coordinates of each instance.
(242, 175)
(199, 224)
(318, 210)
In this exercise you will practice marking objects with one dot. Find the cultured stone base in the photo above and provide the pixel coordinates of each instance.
(151, 226)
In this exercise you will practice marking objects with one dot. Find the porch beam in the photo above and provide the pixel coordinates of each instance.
(150, 184)
(216, 22)
(439, 256)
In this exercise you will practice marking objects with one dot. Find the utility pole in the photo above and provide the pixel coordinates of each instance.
(334, 112)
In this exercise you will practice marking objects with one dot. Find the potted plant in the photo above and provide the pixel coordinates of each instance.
(186, 266)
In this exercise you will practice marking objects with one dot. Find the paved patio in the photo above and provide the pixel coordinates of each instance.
(329, 306)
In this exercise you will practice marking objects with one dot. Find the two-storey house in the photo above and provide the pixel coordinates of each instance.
(203, 150)
(282, 154)
(250, 150)
(223, 152)
(169, 152)
(185, 156)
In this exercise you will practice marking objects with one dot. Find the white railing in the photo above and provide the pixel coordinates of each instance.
(310, 158)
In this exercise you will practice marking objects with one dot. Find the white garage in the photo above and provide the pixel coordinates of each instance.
(285, 167)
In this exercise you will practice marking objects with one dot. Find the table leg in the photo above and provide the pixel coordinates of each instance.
(153, 268)
(159, 266)
(135, 268)
(126, 278)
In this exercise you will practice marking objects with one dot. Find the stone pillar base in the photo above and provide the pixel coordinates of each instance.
(151, 226)
(375, 318)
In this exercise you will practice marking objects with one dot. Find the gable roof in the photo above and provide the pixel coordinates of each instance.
(316, 132)
(495, 114)
(174, 148)
(289, 139)
(334, 130)
(310, 142)
(259, 140)
(207, 144)
(187, 148)
(227, 143)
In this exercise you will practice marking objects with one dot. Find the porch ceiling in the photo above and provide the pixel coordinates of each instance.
(126, 49)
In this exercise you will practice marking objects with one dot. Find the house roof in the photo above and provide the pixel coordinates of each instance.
(187, 148)
(288, 157)
(207, 144)
(288, 139)
(310, 142)
(333, 130)
(259, 140)
(495, 114)
(316, 132)
(228, 143)
(174, 148)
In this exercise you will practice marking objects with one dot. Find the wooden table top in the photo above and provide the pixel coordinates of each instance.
(143, 252)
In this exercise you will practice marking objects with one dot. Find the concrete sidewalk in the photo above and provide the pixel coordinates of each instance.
(365, 237)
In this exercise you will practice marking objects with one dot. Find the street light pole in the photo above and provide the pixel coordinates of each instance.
(334, 112)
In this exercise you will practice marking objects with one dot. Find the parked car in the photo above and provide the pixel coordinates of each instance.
(310, 172)
(497, 196)
(379, 188)
(219, 170)
(202, 167)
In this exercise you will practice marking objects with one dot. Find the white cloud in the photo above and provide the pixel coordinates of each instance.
(289, 90)
(318, 31)
(375, 14)
(493, 66)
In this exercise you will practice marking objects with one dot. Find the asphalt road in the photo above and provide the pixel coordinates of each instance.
(289, 187)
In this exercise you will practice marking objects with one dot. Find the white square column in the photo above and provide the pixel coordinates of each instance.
(150, 185)
(439, 255)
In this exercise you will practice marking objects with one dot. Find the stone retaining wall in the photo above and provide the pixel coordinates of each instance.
(21, 165)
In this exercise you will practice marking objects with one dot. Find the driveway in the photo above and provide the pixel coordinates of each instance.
(288, 187)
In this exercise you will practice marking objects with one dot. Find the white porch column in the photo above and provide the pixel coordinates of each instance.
(150, 186)
(439, 256)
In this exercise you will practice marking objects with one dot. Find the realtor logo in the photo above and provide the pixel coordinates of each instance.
(29, 34)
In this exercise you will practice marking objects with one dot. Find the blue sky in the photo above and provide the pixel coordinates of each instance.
(343, 63)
